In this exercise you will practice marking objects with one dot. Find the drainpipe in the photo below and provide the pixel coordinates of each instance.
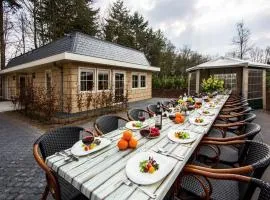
(62, 89)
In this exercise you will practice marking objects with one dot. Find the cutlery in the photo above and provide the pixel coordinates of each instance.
(169, 155)
(68, 156)
(129, 183)
(184, 145)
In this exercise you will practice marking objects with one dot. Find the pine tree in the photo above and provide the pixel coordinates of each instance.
(117, 26)
(138, 28)
(58, 17)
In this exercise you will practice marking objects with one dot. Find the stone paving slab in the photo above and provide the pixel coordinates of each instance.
(20, 176)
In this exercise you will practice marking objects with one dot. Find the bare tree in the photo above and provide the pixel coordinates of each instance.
(242, 40)
(267, 55)
(256, 54)
(10, 4)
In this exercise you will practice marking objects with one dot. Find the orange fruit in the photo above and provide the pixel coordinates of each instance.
(178, 114)
(122, 144)
(133, 143)
(127, 135)
(179, 120)
(151, 170)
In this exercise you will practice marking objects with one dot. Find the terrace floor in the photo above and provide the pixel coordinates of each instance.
(21, 178)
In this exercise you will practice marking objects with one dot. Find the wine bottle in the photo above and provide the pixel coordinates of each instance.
(158, 119)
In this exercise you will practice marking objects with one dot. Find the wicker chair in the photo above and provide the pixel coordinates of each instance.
(48, 144)
(152, 108)
(245, 117)
(107, 123)
(225, 153)
(253, 162)
(236, 109)
(233, 131)
(208, 181)
(133, 114)
(166, 104)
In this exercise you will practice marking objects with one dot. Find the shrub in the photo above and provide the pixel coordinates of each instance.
(212, 84)
(38, 102)
(169, 82)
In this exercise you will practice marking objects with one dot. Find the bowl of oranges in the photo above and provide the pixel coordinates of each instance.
(127, 141)
(179, 118)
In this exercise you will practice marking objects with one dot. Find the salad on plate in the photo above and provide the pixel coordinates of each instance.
(148, 166)
(199, 120)
(182, 135)
(137, 124)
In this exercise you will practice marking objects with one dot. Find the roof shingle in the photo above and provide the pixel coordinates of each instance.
(82, 44)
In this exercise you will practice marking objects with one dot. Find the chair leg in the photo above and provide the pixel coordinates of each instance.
(45, 193)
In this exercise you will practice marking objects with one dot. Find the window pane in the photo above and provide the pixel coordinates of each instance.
(87, 81)
(83, 85)
(143, 81)
(83, 75)
(230, 80)
(255, 83)
(135, 79)
(89, 76)
(103, 80)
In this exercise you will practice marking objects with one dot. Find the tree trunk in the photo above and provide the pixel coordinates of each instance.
(23, 32)
(35, 4)
(2, 41)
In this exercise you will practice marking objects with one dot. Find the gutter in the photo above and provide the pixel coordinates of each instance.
(79, 58)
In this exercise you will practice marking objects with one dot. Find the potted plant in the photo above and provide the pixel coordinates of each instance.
(212, 85)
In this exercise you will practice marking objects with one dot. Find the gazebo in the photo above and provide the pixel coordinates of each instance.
(241, 76)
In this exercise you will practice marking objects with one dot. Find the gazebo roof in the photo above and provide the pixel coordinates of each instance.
(222, 62)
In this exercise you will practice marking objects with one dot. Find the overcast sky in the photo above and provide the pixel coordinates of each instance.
(207, 26)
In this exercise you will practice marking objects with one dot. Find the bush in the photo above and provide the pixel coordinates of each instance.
(212, 84)
(38, 102)
(169, 82)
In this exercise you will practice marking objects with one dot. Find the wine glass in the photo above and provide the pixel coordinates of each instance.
(141, 116)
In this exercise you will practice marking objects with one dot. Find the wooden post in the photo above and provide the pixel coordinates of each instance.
(264, 88)
(198, 81)
(245, 82)
(189, 77)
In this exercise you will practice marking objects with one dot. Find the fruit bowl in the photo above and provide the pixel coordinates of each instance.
(150, 133)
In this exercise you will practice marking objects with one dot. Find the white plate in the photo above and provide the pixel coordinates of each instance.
(211, 113)
(205, 121)
(166, 164)
(172, 137)
(78, 149)
(129, 125)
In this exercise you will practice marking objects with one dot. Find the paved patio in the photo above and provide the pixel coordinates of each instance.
(21, 178)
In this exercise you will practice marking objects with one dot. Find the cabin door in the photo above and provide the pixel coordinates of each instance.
(22, 85)
(119, 86)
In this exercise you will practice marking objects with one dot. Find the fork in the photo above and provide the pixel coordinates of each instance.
(70, 155)
(129, 183)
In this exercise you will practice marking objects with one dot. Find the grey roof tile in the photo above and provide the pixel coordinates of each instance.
(79, 43)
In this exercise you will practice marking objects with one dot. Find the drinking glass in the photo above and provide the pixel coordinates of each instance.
(141, 117)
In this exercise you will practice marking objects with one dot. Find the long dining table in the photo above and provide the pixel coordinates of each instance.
(98, 175)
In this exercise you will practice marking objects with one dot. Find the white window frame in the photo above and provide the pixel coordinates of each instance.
(109, 79)
(87, 69)
(135, 74)
(50, 72)
(145, 75)
(113, 82)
